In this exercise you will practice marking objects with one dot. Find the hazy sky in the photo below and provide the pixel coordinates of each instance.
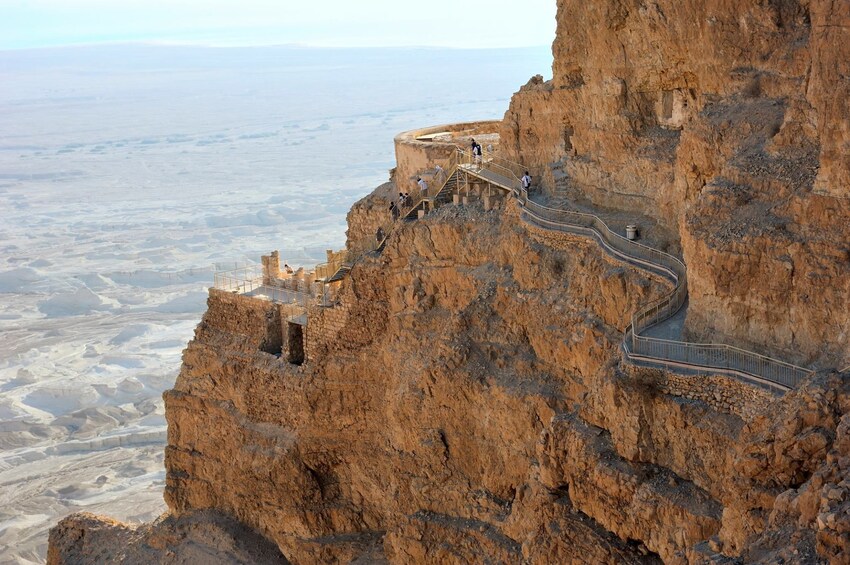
(451, 23)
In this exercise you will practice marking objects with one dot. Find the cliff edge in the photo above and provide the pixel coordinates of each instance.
(463, 397)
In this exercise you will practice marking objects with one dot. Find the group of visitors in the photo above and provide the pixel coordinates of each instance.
(404, 201)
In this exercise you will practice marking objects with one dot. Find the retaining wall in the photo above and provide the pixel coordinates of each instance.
(262, 323)
(725, 394)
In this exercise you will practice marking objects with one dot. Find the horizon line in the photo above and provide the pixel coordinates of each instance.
(237, 45)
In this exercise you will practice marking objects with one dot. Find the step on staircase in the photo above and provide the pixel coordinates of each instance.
(340, 273)
(442, 197)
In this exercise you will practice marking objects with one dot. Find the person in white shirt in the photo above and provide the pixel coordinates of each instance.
(526, 181)
(439, 174)
(423, 187)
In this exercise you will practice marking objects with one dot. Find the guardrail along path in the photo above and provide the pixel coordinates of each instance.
(638, 345)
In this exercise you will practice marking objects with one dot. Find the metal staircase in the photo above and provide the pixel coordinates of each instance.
(442, 196)
(340, 273)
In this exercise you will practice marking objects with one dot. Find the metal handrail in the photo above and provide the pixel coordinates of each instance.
(249, 280)
(506, 168)
(245, 279)
(708, 356)
(723, 357)
(509, 170)
(349, 257)
(435, 189)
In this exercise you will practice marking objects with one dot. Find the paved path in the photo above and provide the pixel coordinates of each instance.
(663, 342)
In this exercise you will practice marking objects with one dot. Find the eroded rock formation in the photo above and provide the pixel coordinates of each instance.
(196, 537)
(464, 401)
(468, 407)
(727, 121)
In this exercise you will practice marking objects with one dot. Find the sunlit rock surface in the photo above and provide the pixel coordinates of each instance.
(465, 402)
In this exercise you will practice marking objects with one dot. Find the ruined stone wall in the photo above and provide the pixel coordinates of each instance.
(353, 321)
(324, 328)
(271, 267)
(257, 322)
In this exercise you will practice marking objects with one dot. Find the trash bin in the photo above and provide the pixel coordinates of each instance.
(631, 231)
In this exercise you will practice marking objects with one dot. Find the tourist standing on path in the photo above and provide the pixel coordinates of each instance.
(394, 211)
(476, 153)
(379, 235)
(526, 181)
(439, 174)
(423, 187)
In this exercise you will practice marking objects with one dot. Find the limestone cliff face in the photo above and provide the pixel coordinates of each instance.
(727, 121)
(464, 403)
(197, 537)
(427, 430)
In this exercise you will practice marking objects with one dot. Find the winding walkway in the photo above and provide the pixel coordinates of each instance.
(654, 335)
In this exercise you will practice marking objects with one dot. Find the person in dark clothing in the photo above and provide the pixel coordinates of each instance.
(476, 153)
(379, 235)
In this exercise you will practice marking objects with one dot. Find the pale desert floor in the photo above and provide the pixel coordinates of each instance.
(127, 176)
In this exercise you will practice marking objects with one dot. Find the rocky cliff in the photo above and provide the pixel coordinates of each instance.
(469, 407)
(464, 400)
(726, 121)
